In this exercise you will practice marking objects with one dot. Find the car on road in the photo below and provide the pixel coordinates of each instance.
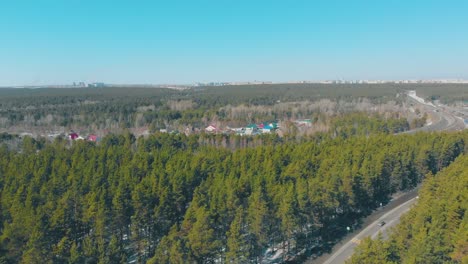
(382, 223)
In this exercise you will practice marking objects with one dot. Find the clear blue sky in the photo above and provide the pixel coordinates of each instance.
(174, 41)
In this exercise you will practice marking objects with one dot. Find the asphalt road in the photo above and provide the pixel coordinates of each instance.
(446, 120)
(390, 213)
(390, 218)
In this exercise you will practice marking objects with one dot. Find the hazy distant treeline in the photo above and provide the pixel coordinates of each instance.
(129, 107)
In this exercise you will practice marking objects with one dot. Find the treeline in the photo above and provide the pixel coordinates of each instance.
(129, 107)
(446, 93)
(269, 94)
(362, 124)
(172, 199)
(434, 231)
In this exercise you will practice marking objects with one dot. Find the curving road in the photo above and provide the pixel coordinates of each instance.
(445, 120)
(391, 214)
(391, 219)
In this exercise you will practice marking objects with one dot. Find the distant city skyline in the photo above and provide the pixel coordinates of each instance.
(53, 42)
(255, 82)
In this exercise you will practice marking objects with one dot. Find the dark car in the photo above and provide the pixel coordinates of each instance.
(382, 223)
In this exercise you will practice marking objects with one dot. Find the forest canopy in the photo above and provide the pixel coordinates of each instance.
(176, 199)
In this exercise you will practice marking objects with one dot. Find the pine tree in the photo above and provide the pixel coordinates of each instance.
(201, 237)
(237, 251)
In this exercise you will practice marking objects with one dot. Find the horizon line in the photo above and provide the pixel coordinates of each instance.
(255, 82)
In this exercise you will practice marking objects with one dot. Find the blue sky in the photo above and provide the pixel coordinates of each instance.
(175, 41)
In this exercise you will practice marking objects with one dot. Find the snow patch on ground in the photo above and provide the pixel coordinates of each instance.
(273, 256)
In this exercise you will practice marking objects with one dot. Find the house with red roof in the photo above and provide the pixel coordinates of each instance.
(211, 129)
(92, 138)
(73, 136)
